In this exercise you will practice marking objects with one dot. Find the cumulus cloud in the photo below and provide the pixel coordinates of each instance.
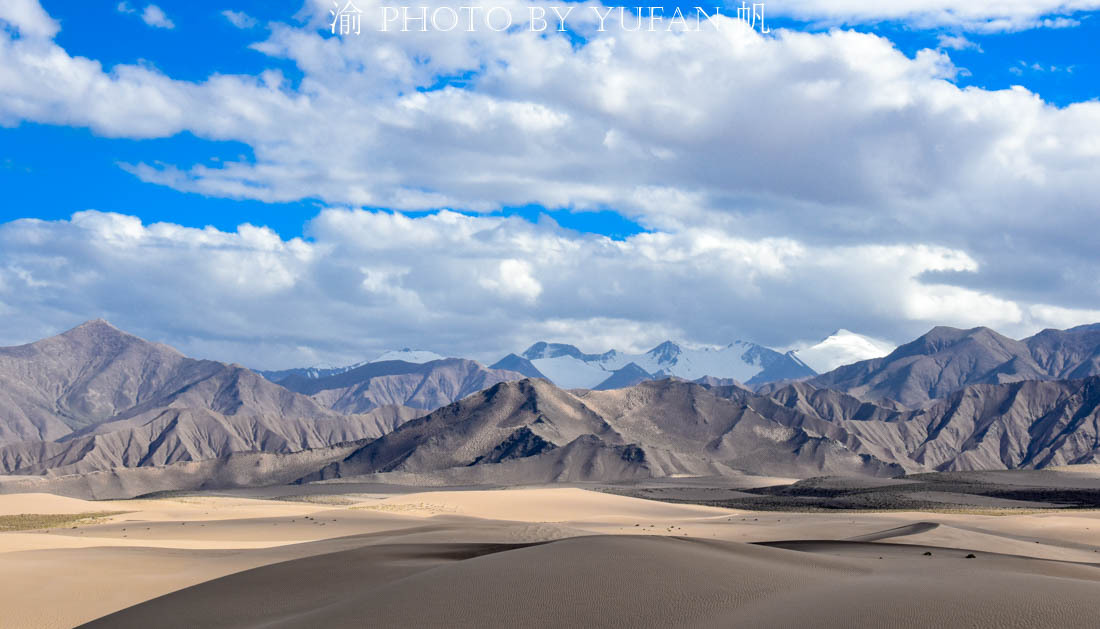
(839, 123)
(978, 15)
(957, 42)
(28, 18)
(463, 285)
(154, 16)
(513, 278)
(240, 19)
(794, 181)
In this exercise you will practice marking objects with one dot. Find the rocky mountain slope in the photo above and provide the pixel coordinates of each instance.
(96, 400)
(407, 355)
(531, 431)
(1028, 424)
(945, 360)
(96, 397)
(426, 386)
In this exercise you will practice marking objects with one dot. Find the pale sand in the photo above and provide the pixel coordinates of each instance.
(13, 504)
(435, 558)
(546, 505)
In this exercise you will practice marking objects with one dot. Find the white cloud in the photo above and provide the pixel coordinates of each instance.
(28, 18)
(547, 123)
(800, 180)
(365, 281)
(840, 120)
(978, 15)
(957, 42)
(154, 16)
(124, 7)
(1034, 66)
(513, 278)
(240, 19)
(1046, 316)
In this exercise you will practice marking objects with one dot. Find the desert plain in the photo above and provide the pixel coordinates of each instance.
(354, 554)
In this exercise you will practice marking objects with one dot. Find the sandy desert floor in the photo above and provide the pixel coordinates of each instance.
(379, 556)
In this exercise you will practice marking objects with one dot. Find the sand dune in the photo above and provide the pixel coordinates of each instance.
(550, 505)
(900, 531)
(631, 581)
(47, 503)
(536, 556)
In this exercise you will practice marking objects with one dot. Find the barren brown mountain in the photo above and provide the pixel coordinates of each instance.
(97, 398)
(945, 360)
(531, 431)
(426, 386)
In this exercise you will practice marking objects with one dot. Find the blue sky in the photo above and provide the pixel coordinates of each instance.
(257, 189)
(37, 156)
(202, 43)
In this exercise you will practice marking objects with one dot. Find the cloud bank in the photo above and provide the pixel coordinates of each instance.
(975, 15)
(792, 184)
(466, 285)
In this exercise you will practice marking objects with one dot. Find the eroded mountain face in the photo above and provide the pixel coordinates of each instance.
(96, 399)
(945, 360)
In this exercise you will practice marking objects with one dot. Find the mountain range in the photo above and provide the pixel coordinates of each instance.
(95, 398)
(531, 431)
(405, 355)
(947, 359)
(425, 386)
(100, 403)
(570, 368)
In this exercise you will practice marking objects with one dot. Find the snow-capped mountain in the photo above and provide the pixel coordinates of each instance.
(842, 347)
(568, 367)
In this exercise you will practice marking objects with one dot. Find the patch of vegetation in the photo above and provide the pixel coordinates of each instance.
(967, 498)
(36, 521)
(320, 499)
(168, 494)
(814, 507)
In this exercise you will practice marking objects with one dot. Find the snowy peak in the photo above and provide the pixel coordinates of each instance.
(543, 350)
(568, 367)
(842, 347)
(665, 353)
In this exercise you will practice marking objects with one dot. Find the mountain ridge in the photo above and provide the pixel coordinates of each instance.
(945, 360)
(745, 362)
(111, 401)
(95, 396)
(426, 386)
